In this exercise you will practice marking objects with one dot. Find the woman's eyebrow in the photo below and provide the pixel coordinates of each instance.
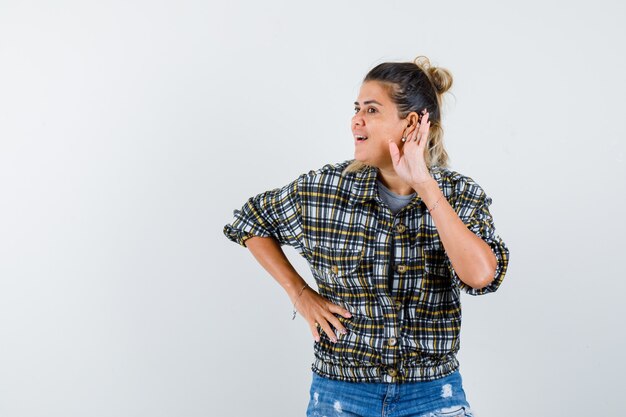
(356, 103)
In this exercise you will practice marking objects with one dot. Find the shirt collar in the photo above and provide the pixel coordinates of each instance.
(365, 186)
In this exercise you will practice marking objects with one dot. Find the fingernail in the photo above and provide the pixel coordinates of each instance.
(344, 331)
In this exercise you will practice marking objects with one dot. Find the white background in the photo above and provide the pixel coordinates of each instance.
(130, 131)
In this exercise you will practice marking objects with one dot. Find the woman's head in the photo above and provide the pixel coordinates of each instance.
(390, 103)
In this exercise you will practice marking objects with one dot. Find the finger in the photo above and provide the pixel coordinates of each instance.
(410, 137)
(395, 153)
(314, 331)
(326, 327)
(336, 323)
(416, 131)
(339, 310)
(425, 135)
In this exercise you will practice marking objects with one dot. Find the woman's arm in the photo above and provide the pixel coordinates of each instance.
(471, 257)
(312, 306)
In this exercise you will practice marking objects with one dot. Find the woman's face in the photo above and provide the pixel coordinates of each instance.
(376, 118)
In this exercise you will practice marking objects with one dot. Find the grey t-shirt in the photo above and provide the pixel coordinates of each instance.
(395, 203)
(393, 200)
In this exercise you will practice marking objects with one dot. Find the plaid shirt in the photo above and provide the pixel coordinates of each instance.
(404, 333)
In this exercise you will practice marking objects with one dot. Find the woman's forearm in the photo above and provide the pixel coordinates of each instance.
(270, 255)
(471, 257)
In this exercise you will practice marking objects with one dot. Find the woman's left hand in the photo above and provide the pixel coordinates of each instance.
(411, 166)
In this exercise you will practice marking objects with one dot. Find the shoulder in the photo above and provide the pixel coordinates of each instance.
(329, 172)
(331, 168)
(457, 184)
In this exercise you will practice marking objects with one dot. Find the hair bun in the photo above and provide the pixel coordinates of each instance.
(441, 78)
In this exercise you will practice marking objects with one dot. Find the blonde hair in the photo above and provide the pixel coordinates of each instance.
(414, 86)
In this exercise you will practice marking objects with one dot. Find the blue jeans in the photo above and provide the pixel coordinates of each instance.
(437, 398)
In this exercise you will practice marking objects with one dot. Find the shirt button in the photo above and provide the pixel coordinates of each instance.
(392, 341)
(400, 228)
(334, 269)
(402, 268)
(392, 372)
(398, 305)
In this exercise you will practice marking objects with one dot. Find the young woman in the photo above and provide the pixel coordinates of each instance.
(391, 238)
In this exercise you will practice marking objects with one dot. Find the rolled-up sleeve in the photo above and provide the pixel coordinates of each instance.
(473, 208)
(275, 213)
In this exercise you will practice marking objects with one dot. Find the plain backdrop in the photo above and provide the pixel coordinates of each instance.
(131, 130)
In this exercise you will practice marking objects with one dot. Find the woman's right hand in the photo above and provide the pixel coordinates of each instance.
(312, 306)
(316, 309)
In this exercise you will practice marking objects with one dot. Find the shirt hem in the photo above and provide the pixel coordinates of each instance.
(381, 373)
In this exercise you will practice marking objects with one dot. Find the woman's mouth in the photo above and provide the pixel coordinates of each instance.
(360, 138)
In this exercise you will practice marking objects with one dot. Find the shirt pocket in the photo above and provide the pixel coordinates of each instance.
(436, 276)
(336, 267)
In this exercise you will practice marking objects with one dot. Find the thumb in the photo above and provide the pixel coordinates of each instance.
(395, 153)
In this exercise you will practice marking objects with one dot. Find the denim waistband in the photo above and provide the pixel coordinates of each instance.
(438, 397)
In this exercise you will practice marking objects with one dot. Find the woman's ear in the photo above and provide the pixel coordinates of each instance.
(412, 120)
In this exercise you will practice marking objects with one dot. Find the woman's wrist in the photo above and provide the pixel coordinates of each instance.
(427, 190)
(304, 287)
(295, 290)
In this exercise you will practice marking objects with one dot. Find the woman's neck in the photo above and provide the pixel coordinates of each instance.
(393, 182)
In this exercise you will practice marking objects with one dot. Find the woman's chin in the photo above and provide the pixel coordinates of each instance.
(367, 161)
(359, 156)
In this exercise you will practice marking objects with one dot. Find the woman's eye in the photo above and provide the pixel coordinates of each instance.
(356, 110)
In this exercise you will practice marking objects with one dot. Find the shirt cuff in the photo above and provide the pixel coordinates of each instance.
(501, 252)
